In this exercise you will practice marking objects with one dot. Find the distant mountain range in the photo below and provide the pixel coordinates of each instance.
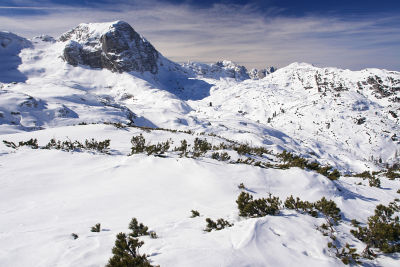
(109, 72)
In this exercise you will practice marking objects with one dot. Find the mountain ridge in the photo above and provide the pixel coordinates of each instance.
(188, 90)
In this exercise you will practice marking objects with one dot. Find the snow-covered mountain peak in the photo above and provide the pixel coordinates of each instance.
(115, 46)
(85, 32)
(12, 42)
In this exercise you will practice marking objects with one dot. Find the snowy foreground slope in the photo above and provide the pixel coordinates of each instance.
(105, 81)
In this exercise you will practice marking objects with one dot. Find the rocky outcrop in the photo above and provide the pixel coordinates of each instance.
(115, 46)
(220, 69)
(256, 74)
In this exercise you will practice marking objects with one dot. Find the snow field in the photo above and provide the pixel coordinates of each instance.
(46, 195)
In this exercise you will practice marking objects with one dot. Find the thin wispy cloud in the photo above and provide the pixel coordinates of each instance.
(239, 33)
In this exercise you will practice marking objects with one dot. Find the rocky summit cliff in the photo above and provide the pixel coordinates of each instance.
(115, 46)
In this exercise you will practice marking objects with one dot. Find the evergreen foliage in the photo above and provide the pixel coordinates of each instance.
(392, 174)
(32, 143)
(195, 213)
(291, 160)
(243, 149)
(374, 182)
(153, 234)
(138, 144)
(365, 175)
(382, 230)
(138, 229)
(126, 253)
(241, 186)
(96, 228)
(347, 254)
(74, 236)
(372, 179)
(201, 146)
(183, 148)
(299, 205)
(94, 145)
(218, 225)
(126, 248)
(329, 209)
(88, 145)
(224, 156)
(249, 207)
(158, 149)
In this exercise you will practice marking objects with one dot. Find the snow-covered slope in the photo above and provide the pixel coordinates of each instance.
(10, 47)
(352, 115)
(108, 73)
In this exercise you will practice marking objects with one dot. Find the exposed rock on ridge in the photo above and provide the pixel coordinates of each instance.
(115, 46)
(260, 74)
(220, 69)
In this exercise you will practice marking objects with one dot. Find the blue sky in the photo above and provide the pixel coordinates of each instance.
(255, 33)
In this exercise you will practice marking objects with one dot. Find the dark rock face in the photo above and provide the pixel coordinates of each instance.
(119, 48)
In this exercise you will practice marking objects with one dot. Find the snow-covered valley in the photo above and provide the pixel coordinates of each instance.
(104, 81)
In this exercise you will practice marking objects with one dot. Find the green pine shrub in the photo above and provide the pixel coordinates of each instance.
(329, 209)
(102, 146)
(249, 207)
(10, 144)
(364, 175)
(138, 144)
(32, 143)
(126, 248)
(355, 223)
(290, 160)
(243, 149)
(334, 175)
(218, 225)
(391, 174)
(201, 146)
(74, 236)
(374, 182)
(224, 156)
(315, 166)
(215, 155)
(158, 149)
(153, 234)
(138, 229)
(241, 186)
(96, 228)
(195, 213)
(347, 254)
(183, 148)
(126, 253)
(382, 230)
(299, 205)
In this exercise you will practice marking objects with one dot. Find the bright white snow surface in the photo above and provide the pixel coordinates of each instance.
(45, 195)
